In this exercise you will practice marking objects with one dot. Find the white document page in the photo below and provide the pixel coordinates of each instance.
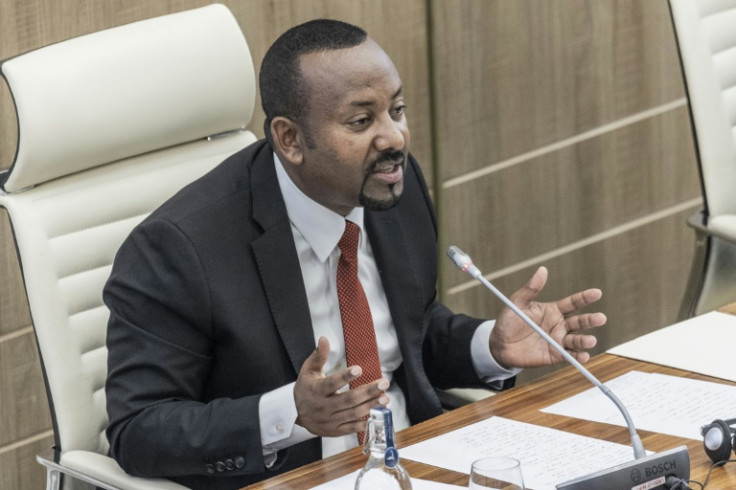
(700, 344)
(548, 456)
(347, 482)
(656, 402)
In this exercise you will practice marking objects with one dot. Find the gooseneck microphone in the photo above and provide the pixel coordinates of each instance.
(654, 469)
(462, 260)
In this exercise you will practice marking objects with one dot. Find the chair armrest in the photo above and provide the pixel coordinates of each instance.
(101, 471)
(458, 397)
(722, 226)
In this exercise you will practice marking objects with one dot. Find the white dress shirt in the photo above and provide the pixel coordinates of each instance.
(317, 231)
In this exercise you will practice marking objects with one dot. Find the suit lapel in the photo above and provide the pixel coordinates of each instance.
(394, 261)
(278, 263)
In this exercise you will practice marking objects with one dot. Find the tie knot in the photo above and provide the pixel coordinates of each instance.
(349, 242)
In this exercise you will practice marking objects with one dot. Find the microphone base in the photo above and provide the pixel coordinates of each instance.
(645, 473)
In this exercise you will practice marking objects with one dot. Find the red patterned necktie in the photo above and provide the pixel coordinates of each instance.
(357, 323)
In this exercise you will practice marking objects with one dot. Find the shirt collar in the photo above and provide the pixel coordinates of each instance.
(322, 228)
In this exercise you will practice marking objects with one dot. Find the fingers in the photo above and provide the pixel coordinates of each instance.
(316, 360)
(338, 413)
(578, 343)
(581, 357)
(527, 293)
(579, 300)
(354, 405)
(577, 323)
(335, 382)
(353, 419)
(531, 289)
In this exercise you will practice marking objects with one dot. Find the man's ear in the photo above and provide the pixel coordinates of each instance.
(285, 135)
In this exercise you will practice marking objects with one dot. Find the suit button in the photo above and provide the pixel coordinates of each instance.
(220, 466)
(209, 468)
(239, 462)
(229, 464)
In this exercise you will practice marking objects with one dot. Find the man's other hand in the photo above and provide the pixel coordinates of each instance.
(324, 410)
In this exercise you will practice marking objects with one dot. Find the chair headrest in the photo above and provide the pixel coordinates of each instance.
(126, 91)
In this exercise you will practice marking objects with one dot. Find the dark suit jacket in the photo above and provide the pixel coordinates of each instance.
(208, 312)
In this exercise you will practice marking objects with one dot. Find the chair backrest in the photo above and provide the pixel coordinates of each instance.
(110, 125)
(706, 34)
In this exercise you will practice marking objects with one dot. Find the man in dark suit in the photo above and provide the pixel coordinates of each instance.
(226, 352)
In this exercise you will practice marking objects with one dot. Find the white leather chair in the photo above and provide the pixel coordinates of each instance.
(109, 126)
(706, 36)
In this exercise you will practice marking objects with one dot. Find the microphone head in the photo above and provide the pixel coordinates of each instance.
(462, 260)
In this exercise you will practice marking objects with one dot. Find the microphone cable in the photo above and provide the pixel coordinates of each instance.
(674, 483)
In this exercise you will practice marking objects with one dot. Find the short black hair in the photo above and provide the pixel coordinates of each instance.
(282, 91)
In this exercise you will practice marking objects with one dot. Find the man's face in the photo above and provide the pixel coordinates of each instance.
(355, 133)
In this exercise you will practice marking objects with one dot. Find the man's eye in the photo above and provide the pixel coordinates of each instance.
(398, 110)
(360, 123)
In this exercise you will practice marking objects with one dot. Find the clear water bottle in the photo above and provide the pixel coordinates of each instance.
(383, 469)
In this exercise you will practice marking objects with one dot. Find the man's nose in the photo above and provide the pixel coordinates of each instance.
(390, 135)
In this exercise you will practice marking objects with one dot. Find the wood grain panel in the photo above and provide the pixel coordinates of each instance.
(8, 126)
(13, 304)
(570, 194)
(20, 471)
(23, 403)
(511, 76)
(642, 274)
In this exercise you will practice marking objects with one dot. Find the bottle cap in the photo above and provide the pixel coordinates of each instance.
(391, 456)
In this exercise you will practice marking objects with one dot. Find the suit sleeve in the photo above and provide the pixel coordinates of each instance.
(160, 353)
(446, 348)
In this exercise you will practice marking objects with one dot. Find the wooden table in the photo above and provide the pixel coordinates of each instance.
(523, 404)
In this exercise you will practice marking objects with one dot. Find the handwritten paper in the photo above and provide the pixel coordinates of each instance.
(656, 402)
(699, 345)
(548, 456)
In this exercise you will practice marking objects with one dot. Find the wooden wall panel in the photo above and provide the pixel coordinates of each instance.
(19, 469)
(8, 126)
(512, 76)
(570, 194)
(13, 305)
(23, 405)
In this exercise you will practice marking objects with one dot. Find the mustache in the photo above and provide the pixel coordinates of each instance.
(389, 156)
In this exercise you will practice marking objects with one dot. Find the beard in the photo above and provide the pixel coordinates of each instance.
(396, 190)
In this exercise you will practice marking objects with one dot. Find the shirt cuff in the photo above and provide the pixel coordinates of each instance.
(277, 414)
(486, 367)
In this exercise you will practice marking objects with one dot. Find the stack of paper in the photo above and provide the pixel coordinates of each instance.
(702, 344)
(656, 402)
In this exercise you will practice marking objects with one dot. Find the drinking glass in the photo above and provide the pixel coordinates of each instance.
(500, 473)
